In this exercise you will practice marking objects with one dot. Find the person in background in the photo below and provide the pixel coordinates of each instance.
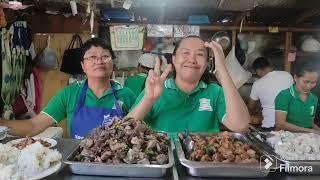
(87, 104)
(296, 106)
(266, 89)
(145, 63)
(188, 100)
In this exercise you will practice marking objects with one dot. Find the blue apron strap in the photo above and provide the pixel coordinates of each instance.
(82, 96)
(118, 108)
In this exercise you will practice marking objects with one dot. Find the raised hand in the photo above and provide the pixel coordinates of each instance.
(219, 57)
(153, 86)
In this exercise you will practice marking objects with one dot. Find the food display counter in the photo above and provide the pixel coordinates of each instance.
(65, 146)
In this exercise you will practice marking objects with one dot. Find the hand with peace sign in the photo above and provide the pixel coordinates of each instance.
(153, 86)
(153, 90)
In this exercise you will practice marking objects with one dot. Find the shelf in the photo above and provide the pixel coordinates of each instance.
(306, 54)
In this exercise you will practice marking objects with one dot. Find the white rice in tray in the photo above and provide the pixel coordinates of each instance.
(298, 146)
(20, 164)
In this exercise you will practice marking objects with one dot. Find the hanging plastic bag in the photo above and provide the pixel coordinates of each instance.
(48, 58)
(238, 75)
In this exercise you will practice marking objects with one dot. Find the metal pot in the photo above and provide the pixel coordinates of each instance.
(222, 38)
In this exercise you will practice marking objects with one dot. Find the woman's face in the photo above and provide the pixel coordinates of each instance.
(306, 82)
(97, 63)
(190, 60)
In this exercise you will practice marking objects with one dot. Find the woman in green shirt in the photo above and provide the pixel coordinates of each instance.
(188, 100)
(296, 106)
(85, 105)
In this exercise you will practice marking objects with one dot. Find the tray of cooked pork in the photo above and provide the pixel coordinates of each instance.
(297, 153)
(222, 154)
(127, 147)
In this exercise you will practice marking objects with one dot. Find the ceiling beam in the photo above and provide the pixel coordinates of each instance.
(230, 28)
(304, 16)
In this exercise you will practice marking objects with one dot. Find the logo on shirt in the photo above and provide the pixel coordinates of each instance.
(311, 110)
(107, 119)
(204, 104)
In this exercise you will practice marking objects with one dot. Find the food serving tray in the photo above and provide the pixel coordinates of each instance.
(289, 166)
(221, 169)
(124, 170)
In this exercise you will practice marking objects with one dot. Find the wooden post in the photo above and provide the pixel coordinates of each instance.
(287, 49)
(234, 36)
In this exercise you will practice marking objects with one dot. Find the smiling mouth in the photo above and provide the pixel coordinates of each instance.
(100, 68)
(192, 67)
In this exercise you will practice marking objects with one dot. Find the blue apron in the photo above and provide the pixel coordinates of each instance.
(86, 118)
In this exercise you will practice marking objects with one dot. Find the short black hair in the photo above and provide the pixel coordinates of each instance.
(261, 63)
(303, 66)
(96, 42)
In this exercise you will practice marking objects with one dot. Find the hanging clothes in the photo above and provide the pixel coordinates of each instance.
(14, 50)
(37, 89)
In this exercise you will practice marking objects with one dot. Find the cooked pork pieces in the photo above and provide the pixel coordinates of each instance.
(124, 141)
(29, 140)
(221, 148)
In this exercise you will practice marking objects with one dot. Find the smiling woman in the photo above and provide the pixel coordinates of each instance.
(87, 104)
(188, 101)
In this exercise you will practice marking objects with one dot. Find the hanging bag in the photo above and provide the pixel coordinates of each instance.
(71, 57)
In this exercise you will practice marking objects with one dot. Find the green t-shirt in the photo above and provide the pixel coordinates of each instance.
(63, 104)
(136, 83)
(298, 112)
(200, 111)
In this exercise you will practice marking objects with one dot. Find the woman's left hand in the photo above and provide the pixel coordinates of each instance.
(217, 51)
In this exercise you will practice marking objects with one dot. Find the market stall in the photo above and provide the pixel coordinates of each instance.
(55, 52)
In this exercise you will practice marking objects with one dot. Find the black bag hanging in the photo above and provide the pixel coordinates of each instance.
(71, 57)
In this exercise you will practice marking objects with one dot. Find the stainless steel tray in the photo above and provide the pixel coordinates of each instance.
(315, 164)
(213, 169)
(124, 170)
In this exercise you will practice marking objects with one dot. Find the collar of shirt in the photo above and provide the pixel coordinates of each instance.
(117, 86)
(142, 74)
(294, 93)
(170, 84)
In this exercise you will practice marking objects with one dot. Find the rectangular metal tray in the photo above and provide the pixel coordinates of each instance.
(213, 169)
(122, 170)
(315, 164)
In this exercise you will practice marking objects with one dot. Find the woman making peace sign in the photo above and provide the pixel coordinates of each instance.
(188, 101)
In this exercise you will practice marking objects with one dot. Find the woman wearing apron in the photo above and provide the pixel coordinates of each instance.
(85, 105)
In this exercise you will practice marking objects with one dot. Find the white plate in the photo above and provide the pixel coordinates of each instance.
(51, 141)
(52, 169)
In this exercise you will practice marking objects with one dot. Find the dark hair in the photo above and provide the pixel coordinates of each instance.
(301, 67)
(96, 42)
(206, 75)
(261, 63)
